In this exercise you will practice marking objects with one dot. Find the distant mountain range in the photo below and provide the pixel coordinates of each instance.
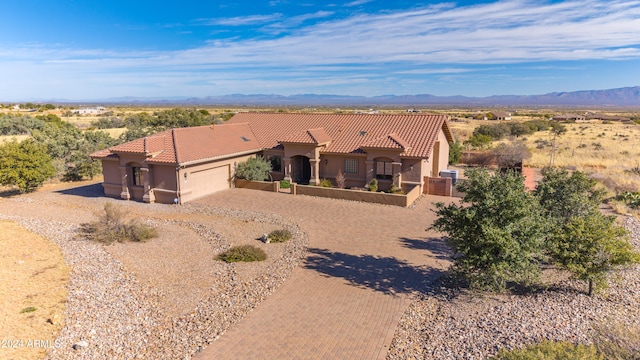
(621, 97)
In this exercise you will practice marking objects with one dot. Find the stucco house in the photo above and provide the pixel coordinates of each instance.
(180, 165)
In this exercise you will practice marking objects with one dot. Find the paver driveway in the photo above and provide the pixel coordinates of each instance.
(344, 301)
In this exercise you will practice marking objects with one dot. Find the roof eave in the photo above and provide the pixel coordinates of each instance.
(214, 158)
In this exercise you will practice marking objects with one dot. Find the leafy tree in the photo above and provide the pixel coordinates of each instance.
(25, 165)
(79, 164)
(455, 152)
(565, 196)
(256, 169)
(479, 141)
(582, 240)
(589, 246)
(496, 231)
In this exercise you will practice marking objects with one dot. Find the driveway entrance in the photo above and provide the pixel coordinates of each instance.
(364, 263)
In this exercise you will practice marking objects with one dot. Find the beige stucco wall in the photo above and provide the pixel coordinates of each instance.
(330, 164)
(111, 184)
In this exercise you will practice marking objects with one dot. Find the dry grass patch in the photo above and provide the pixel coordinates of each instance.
(9, 138)
(607, 152)
(34, 278)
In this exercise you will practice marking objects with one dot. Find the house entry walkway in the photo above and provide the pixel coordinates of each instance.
(346, 298)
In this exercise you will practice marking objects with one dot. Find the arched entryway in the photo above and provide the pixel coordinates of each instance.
(300, 169)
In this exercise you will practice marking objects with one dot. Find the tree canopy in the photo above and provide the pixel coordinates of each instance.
(25, 164)
(496, 231)
(502, 233)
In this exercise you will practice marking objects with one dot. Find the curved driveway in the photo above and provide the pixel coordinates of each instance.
(345, 299)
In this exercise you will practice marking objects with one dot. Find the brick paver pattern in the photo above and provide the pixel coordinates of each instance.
(346, 298)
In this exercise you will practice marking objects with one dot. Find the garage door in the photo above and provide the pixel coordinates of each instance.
(208, 181)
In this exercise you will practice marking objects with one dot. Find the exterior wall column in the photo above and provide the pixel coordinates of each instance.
(286, 163)
(315, 170)
(124, 194)
(149, 196)
(369, 174)
(397, 173)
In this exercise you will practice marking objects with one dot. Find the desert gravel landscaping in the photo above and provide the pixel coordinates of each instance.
(163, 299)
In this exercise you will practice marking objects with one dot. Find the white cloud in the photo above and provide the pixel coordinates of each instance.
(241, 20)
(335, 53)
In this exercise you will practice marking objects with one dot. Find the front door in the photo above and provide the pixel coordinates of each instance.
(301, 172)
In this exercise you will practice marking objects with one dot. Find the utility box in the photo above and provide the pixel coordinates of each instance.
(453, 174)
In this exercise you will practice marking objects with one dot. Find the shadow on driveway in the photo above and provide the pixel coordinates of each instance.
(385, 274)
(437, 246)
(90, 191)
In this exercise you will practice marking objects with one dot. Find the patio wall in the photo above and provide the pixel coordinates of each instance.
(357, 195)
(258, 185)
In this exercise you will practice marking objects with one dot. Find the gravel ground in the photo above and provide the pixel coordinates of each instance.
(444, 324)
(114, 311)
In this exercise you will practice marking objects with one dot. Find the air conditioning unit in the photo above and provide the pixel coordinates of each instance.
(453, 174)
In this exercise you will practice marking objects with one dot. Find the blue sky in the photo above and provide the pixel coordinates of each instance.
(82, 50)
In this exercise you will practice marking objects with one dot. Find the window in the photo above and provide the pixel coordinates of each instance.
(138, 178)
(350, 166)
(384, 170)
(276, 162)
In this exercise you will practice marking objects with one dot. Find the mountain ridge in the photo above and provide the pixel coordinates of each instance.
(618, 97)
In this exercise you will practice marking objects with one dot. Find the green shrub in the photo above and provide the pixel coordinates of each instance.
(278, 236)
(114, 226)
(479, 141)
(373, 185)
(550, 350)
(455, 152)
(255, 169)
(285, 184)
(325, 183)
(395, 190)
(244, 253)
(28, 310)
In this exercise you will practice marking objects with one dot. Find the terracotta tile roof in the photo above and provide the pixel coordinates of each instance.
(311, 136)
(350, 132)
(184, 145)
(413, 135)
(391, 141)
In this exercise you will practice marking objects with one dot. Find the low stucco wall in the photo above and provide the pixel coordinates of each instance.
(356, 195)
(258, 185)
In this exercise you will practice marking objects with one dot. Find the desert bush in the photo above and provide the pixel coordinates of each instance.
(631, 199)
(395, 190)
(550, 350)
(115, 226)
(243, 253)
(256, 169)
(278, 236)
(325, 183)
(617, 342)
(508, 155)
